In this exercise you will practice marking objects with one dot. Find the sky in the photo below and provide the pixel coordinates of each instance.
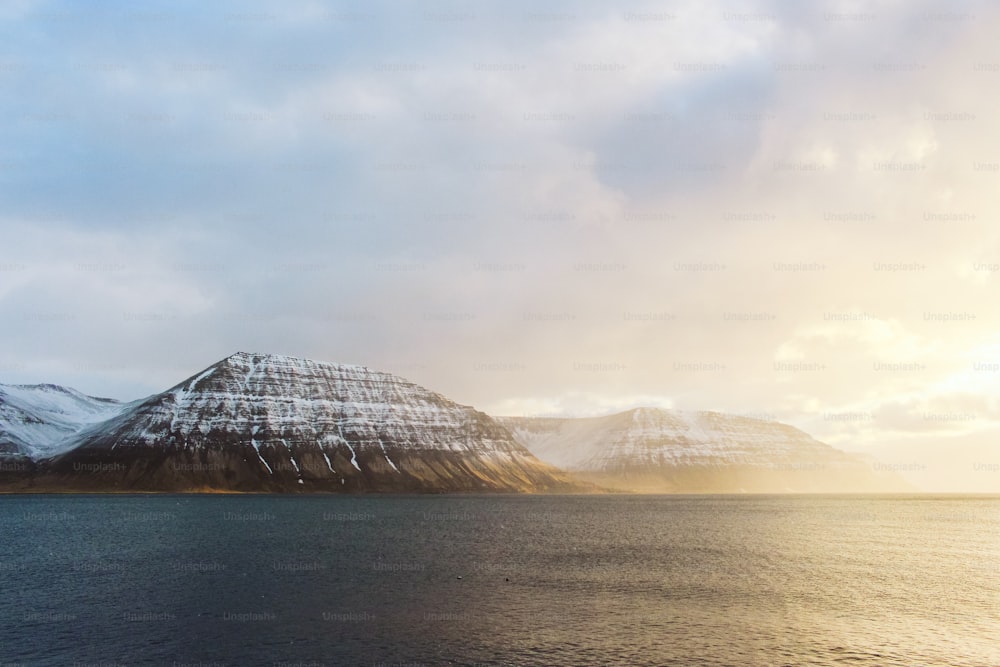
(778, 209)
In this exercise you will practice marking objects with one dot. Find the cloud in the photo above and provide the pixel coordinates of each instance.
(557, 209)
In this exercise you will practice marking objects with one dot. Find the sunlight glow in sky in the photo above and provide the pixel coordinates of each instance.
(770, 208)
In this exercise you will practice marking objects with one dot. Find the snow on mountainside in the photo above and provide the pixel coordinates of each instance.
(260, 422)
(270, 422)
(36, 420)
(657, 450)
(654, 436)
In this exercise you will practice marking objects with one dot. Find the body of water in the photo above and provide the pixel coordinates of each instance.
(514, 580)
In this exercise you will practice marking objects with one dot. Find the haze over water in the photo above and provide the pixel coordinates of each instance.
(655, 580)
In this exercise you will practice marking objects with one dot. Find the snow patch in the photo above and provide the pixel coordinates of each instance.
(256, 446)
(354, 456)
(201, 377)
(292, 458)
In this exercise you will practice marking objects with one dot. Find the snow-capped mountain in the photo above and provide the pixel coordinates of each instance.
(670, 451)
(259, 422)
(37, 420)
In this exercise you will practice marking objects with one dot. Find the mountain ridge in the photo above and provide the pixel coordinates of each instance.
(36, 419)
(275, 423)
(658, 450)
(260, 422)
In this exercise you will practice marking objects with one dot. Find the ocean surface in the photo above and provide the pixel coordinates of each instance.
(516, 580)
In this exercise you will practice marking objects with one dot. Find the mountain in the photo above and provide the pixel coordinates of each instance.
(36, 420)
(259, 422)
(667, 451)
(270, 423)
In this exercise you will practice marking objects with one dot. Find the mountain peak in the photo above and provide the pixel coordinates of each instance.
(272, 422)
(243, 359)
(36, 419)
(45, 387)
(664, 451)
(261, 374)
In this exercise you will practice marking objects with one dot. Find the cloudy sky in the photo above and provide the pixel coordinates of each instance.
(772, 208)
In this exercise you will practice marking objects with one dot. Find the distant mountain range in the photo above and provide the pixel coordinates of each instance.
(270, 423)
(651, 450)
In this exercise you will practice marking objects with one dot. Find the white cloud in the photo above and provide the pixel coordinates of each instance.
(692, 198)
